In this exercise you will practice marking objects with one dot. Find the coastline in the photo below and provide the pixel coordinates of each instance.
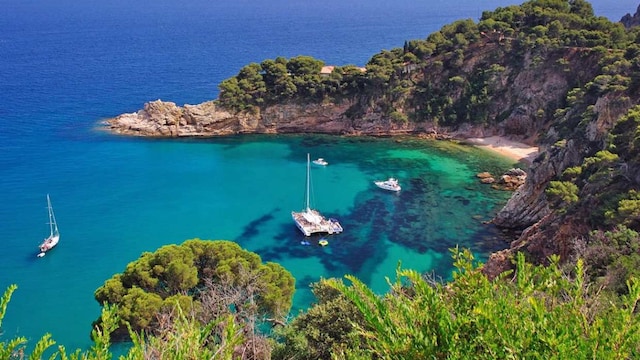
(166, 119)
(512, 149)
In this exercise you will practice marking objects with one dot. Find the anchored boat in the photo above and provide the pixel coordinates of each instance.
(390, 184)
(54, 234)
(310, 221)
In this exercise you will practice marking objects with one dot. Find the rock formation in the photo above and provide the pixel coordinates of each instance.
(166, 119)
(630, 21)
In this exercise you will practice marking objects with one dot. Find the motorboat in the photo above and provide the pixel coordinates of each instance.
(321, 162)
(390, 184)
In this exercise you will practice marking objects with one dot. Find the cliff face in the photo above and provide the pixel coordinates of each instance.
(166, 119)
(631, 20)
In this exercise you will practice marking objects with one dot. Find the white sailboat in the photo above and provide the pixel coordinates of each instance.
(310, 221)
(54, 235)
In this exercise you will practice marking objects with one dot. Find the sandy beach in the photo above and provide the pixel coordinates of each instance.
(512, 149)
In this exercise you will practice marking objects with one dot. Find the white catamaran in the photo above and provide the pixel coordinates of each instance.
(54, 235)
(310, 221)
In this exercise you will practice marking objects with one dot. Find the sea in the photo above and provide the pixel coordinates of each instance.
(66, 65)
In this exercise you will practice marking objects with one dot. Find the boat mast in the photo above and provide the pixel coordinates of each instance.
(308, 176)
(52, 218)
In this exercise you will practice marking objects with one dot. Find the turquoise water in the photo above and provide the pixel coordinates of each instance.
(157, 192)
(66, 65)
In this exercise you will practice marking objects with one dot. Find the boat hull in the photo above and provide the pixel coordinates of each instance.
(49, 243)
(387, 187)
(311, 221)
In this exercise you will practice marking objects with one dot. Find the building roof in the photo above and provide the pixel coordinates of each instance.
(326, 70)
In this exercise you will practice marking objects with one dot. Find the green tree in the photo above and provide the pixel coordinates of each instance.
(326, 328)
(231, 96)
(563, 191)
(626, 134)
(276, 77)
(627, 209)
(245, 90)
(206, 272)
(304, 65)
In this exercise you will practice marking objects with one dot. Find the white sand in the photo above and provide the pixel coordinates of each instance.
(512, 149)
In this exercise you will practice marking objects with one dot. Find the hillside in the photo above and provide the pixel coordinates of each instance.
(548, 73)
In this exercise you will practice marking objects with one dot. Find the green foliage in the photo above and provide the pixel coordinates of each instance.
(550, 311)
(457, 80)
(626, 134)
(571, 173)
(630, 208)
(534, 312)
(326, 328)
(562, 191)
(139, 308)
(627, 211)
(14, 346)
(613, 258)
(183, 337)
(398, 117)
(601, 158)
(186, 274)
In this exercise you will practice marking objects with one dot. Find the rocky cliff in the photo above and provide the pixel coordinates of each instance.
(166, 119)
(631, 20)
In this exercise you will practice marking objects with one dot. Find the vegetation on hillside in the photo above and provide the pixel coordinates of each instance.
(602, 191)
(535, 313)
(453, 76)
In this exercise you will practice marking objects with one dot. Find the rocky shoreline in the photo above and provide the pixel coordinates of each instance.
(166, 119)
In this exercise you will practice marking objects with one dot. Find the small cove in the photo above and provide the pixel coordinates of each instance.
(146, 193)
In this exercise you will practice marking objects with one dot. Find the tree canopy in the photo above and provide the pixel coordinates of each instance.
(206, 277)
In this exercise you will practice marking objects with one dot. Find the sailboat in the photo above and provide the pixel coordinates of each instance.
(54, 235)
(310, 221)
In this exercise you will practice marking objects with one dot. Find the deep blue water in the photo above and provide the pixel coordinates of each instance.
(65, 65)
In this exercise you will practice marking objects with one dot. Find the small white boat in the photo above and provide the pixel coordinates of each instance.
(320, 161)
(54, 235)
(390, 184)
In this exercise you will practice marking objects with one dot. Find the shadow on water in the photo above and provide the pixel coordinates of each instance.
(252, 230)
